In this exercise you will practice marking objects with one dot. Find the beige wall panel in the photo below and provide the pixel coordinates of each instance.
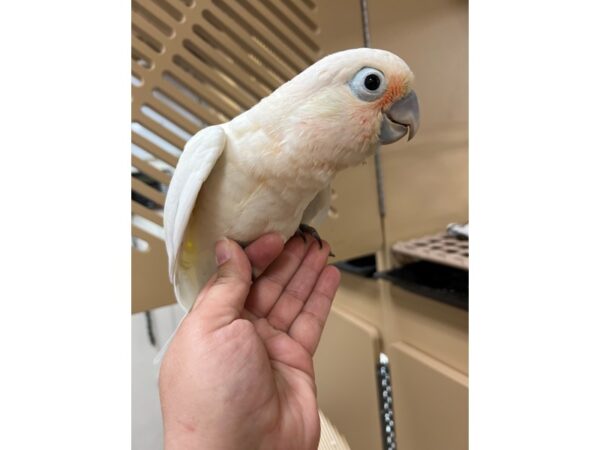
(425, 181)
(437, 329)
(432, 37)
(346, 379)
(362, 297)
(353, 227)
(430, 402)
(426, 189)
(146, 266)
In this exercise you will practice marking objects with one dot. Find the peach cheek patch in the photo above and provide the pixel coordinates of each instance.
(397, 87)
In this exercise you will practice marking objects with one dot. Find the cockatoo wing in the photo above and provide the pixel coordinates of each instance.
(195, 164)
(316, 211)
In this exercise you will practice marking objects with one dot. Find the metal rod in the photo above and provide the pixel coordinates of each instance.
(150, 328)
(364, 12)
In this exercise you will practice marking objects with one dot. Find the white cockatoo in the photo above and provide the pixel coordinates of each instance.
(270, 168)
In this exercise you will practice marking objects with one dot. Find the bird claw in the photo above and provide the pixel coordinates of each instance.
(304, 229)
(301, 234)
(307, 229)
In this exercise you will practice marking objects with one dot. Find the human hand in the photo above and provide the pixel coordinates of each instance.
(239, 371)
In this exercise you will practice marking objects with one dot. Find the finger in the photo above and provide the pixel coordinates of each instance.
(260, 253)
(298, 289)
(309, 324)
(267, 288)
(222, 302)
(263, 251)
(281, 348)
(204, 290)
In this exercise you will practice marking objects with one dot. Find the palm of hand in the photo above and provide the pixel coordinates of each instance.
(254, 362)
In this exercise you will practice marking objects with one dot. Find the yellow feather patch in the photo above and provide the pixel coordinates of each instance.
(188, 254)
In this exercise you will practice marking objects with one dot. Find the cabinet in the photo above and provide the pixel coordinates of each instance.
(427, 345)
(436, 329)
(430, 401)
(346, 379)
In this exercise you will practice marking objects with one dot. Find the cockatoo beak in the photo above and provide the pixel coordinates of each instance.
(401, 117)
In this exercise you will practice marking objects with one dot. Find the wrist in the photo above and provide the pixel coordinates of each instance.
(181, 437)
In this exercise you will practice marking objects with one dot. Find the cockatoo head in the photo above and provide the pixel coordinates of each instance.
(346, 104)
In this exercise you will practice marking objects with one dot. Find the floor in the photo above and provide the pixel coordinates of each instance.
(146, 420)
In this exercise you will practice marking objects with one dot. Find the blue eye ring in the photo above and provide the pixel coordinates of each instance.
(369, 84)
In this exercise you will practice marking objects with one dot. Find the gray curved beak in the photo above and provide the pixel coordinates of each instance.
(400, 119)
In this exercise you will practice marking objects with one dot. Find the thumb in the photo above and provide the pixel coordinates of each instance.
(224, 299)
(232, 262)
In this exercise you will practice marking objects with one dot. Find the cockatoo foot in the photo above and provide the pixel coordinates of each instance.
(307, 229)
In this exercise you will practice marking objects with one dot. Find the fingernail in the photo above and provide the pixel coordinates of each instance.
(222, 251)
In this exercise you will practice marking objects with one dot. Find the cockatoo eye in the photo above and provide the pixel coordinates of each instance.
(368, 84)
(372, 82)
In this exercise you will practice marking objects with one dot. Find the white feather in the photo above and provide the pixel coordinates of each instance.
(195, 164)
(316, 212)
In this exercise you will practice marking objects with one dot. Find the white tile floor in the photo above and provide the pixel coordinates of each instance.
(146, 419)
